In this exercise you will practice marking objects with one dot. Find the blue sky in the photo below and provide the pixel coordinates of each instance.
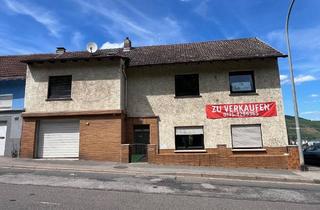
(40, 26)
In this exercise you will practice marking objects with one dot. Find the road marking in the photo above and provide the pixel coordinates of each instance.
(49, 203)
(208, 186)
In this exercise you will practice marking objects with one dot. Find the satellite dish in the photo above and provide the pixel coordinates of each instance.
(92, 47)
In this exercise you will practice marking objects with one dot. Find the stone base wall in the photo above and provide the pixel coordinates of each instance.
(272, 158)
(107, 137)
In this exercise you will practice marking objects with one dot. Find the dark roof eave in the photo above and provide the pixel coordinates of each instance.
(29, 61)
(222, 59)
(18, 77)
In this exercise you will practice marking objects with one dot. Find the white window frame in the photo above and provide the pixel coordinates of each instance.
(7, 98)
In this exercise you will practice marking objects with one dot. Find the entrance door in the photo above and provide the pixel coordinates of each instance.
(3, 134)
(141, 139)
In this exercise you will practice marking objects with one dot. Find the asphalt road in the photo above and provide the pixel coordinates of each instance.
(28, 189)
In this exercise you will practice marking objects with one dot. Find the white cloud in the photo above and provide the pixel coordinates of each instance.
(304, 45)
(202, 8)
(14, 47)
(126, 20)
(311, 112)
(298, 79)
(314, 95)
(39, 14)
(304, 78)
(283, 77)
(77, 40)
(108, 45)
(303, 38)
(312, 115)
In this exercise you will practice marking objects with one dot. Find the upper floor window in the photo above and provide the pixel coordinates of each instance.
(59, 87)
(187, 85)
(6, 101)
(242, 82)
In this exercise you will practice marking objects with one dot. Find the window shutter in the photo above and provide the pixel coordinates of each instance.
(247, 136)
(6, 101)
(189, 131)
(60, 87)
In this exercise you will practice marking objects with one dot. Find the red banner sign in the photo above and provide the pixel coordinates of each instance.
(263, 109)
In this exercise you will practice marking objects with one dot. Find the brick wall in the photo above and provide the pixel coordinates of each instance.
(28, 137)
(100, 136)
(151, 121)
(125, 152)
(272, 158)
(293, 158)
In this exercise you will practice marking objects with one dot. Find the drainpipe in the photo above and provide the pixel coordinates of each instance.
(123, 68)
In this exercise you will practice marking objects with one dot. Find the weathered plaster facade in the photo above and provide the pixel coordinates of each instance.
(151, 92)
(95, 86)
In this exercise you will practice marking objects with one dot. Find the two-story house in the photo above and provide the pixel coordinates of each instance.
(215, 103)
(12, 82)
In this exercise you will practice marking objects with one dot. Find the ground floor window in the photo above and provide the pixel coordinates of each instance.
(189, 138)
(246, 136)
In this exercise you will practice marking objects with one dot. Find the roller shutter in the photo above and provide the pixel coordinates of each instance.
(246, 136)
(58, 139)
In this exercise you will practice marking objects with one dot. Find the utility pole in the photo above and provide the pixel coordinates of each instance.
(294, 95)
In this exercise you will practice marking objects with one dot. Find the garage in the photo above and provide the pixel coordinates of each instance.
(58, 139)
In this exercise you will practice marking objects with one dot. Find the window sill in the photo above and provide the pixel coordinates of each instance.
(249, 150)
(191, 96)
(191, 151)
(244, 94)
(59, 99)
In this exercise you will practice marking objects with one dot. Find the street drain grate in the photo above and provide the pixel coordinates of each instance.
(120, 167)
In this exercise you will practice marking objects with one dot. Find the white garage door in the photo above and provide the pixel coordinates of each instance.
(58, 139)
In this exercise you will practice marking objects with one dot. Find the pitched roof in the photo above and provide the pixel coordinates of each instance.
(155, 55)
(78, 55)
(201, 51)
(11, 67)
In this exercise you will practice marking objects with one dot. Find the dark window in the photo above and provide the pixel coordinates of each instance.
(241, 82)
(189, 138)
(141, 134)
(59, 87)
(187, 85)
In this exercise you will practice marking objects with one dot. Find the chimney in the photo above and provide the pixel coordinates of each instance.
(127, 45)
(60, 50)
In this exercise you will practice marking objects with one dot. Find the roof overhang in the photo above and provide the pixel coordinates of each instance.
(9, 78)
(212, 60)
(62, 59)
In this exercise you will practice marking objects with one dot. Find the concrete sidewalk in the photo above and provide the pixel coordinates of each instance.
(312, 176)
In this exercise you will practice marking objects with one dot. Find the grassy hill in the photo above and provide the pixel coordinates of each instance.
(310, 130)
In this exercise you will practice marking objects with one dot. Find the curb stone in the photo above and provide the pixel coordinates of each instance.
(184, 174)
